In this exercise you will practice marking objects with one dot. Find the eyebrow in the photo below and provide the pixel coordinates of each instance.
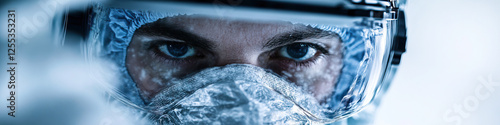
(296, 35)
(160, 28)
(175, 32)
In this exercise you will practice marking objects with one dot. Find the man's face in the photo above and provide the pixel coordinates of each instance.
(174, 47)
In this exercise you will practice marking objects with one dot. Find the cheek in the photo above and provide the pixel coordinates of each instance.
(319, 78)
(153, 74)
(149, 77)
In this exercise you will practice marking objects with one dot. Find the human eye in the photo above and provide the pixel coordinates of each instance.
(301, 53)
(177, 50)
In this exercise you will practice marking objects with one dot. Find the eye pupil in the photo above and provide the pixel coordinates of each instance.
(177, 49)
(297, 50)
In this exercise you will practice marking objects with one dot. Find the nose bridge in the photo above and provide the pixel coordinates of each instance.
(237, 57)
(238, 44)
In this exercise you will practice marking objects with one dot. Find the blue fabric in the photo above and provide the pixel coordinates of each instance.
(118, 27)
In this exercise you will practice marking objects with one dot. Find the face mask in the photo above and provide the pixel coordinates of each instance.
(234, 94)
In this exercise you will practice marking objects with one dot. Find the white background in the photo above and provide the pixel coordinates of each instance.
(452, 46)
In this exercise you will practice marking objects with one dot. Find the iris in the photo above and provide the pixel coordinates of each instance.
(177, 50)
(298, 51)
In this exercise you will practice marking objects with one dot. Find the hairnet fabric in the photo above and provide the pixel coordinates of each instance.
(116, 28)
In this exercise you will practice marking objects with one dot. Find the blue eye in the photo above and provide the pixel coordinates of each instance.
(298, 51)
(177, 50)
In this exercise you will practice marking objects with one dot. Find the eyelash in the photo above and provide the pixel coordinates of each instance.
(322, 53)
(306, 63)
(164, 58)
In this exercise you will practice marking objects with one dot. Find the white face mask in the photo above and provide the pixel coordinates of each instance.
(234, 94)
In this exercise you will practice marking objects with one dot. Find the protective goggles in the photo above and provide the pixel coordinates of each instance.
(341, 53)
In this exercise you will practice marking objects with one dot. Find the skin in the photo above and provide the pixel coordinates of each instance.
(222, 41)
